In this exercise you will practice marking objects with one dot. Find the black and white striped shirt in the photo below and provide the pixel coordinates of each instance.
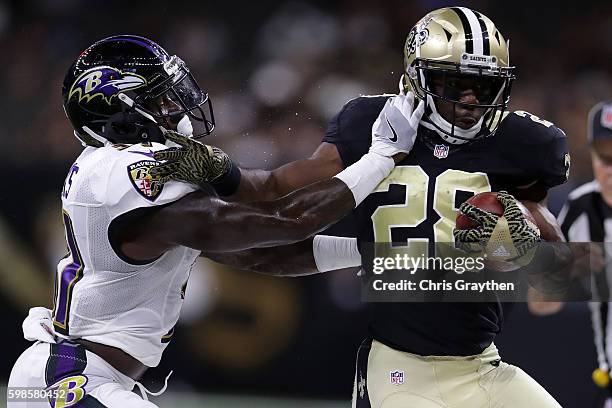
(587, 218)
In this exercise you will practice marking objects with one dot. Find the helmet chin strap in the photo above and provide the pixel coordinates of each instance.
(441, 125)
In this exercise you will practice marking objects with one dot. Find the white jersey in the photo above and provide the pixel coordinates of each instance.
(99, 296)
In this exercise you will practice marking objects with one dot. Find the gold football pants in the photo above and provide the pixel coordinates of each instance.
(388, 378)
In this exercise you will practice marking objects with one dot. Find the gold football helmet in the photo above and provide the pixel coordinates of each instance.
(448, 46)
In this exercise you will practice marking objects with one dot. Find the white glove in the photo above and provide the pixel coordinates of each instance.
(38, 326)
(395, 129)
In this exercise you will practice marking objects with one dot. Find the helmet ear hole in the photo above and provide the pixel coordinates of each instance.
(119, 125)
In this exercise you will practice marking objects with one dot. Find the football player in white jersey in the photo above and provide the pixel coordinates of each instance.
(133, 236)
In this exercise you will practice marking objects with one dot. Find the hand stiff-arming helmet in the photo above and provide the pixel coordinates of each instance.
(124, 89)
(447, 46)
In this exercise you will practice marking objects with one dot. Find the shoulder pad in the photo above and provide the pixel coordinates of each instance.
(535, 144)
(364, 108)
(130, 185)
(526, 128)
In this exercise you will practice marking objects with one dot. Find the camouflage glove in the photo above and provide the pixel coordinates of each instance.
(523, 233)
(193, 162)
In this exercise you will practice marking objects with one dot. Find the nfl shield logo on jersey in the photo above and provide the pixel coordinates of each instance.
(441, 151)
(148, 186)
(396, 377)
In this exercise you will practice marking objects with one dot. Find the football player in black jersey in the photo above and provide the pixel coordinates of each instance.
(429, 354)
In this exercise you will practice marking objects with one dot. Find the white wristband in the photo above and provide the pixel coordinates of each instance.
(363, 176)
(332, 253)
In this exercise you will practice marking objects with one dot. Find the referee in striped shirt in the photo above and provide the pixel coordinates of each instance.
(587, 217)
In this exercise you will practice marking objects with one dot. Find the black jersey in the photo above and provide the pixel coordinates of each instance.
(419, 200)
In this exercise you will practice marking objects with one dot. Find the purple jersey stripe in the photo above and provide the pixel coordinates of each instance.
(65, 360)
(67, 278)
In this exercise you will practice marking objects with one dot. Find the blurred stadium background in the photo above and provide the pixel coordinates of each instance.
(276, 72)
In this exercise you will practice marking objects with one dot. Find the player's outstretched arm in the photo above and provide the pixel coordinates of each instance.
(203, 165)
(268, 185)
(399, 116)
(287, 260)
(321, 253)
(207, 223)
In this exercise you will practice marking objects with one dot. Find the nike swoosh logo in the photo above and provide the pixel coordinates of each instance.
(149, 154)
(394, 138)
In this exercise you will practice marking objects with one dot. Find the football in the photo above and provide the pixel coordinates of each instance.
(486, 201)
(499, 251)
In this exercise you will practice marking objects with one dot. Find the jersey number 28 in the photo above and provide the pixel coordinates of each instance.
(413, 211)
